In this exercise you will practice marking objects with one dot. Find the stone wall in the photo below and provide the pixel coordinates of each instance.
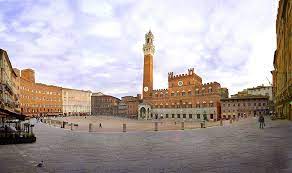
(282, 74)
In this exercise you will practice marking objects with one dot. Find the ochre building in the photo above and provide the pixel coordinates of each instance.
(282, 74)
(185, 98)
(38, 99)
(9, 88)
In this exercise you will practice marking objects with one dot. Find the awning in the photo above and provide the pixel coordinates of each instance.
(8, 113)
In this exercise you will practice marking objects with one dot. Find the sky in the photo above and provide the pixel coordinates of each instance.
(97, 44)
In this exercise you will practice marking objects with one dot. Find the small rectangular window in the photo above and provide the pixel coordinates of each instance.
(198, 116)
(190, 116)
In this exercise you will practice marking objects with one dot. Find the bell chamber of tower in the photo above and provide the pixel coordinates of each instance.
(148, 47)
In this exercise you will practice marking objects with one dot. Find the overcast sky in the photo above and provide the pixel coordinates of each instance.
(97, 45)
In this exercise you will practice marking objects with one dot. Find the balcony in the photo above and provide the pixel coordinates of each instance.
(8, 88)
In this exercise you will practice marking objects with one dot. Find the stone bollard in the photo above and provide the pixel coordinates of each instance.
(182, 125)
(71, 126)
(124, 127)
(221, 122)
(89, 127)
(156, 126)
(230, 121)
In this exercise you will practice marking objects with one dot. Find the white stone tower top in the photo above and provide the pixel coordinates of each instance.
(148, 47)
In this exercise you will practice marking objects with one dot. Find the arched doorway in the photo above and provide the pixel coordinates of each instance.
(143, 112)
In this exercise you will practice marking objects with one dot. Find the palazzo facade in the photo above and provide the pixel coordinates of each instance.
(282, 73)
(185, 98)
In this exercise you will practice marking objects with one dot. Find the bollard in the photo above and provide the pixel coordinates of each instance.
(124, 128)
(182, 125)
(71, 126)
(89, 127)
(156, 126)
(221, 122)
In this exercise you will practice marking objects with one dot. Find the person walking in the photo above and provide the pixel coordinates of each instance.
(100, 125)
(261, 121)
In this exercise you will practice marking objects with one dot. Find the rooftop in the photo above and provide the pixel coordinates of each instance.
(246, 97)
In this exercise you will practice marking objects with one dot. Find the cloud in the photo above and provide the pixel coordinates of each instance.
(97, 45)
(96, 8)
(106, 29)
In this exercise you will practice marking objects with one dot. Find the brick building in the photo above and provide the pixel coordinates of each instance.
(128, 106)
(104, 104)
(224, 93)
(185, 98)
(38, 99)
(244, 106)
(282, 73)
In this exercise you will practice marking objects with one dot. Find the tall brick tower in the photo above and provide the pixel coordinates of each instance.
(148, 49)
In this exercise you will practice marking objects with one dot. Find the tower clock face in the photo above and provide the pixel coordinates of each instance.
(146, 89)
(180, 83)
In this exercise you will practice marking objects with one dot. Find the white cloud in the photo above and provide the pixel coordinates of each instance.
(100, 42)
(97, 8)
(106, 29)
(33, 27)
(57, 15)
(2, 27)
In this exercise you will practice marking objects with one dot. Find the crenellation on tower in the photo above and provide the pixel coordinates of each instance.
(170, 75)
(190, 73)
